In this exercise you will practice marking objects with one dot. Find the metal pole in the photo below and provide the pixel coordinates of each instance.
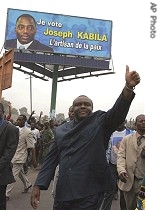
(31, 93)
(54, 91)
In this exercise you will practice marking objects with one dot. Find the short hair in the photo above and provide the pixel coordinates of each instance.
(70, 108)
(27, 16)
(140, 115)
(85, 97)
(2, 107)
(23, 116)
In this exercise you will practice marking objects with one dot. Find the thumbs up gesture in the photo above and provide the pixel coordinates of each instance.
(132, 78)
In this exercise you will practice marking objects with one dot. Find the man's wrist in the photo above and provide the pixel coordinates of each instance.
(129, 87)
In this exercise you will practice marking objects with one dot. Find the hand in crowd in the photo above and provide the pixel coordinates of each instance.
(143, 152)
(33, 112)
(123, 177)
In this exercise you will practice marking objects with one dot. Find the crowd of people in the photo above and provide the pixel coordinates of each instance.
(92, 158)
(32, 140)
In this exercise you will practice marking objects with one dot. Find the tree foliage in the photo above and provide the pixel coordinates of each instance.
(15, 111)
(23, 110)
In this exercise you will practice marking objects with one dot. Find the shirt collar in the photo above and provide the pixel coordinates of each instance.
(23, 45)
(137, 134)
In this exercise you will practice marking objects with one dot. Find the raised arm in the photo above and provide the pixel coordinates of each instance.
(29, 119)
(40, 117)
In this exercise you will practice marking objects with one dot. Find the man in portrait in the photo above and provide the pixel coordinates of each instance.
(25, 30)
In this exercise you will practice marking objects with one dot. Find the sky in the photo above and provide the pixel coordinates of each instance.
(131, 45)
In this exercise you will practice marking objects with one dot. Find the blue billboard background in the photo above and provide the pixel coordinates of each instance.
(67, 34)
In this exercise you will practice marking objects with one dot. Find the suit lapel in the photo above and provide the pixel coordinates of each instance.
(134, 139)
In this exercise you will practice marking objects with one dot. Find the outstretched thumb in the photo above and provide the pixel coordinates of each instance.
(127, 69)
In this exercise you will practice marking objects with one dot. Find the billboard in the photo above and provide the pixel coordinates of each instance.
(57, 33)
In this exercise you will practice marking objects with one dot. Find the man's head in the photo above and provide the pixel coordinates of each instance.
(51, 123)
(122, 126)
(21, 120)
(25, 28)
(46, 124)
(1, 111)
(71, 113)
(82, 107)
(140, 124)
(33, 125)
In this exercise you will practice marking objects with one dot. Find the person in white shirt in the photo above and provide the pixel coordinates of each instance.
(36, 135)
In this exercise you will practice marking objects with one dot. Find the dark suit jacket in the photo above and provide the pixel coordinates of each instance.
(9, 137)
(80, 150)
(36, 45)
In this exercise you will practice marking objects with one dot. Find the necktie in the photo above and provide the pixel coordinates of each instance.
(21, 47)
(139, 140)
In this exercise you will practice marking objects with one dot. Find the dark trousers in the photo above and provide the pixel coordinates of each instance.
(115, 176)
(113, 168)
(3, 197)
(93, 202)
(107, 200)
(122, 201)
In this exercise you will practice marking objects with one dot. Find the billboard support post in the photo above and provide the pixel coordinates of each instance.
(30, 80)
(54, 91)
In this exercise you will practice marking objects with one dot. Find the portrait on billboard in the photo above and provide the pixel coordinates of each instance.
(25, 30)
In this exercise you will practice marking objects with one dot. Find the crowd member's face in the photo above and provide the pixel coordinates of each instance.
(33, 126)
(82, 107)
(46, 125)
(20, 121)
(140, 123)
(25, 30)
(71, 113)
(51, 123)
(121, 127)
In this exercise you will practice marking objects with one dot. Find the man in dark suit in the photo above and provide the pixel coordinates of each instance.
(25, 30)
(9, 137)
(80, 150)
